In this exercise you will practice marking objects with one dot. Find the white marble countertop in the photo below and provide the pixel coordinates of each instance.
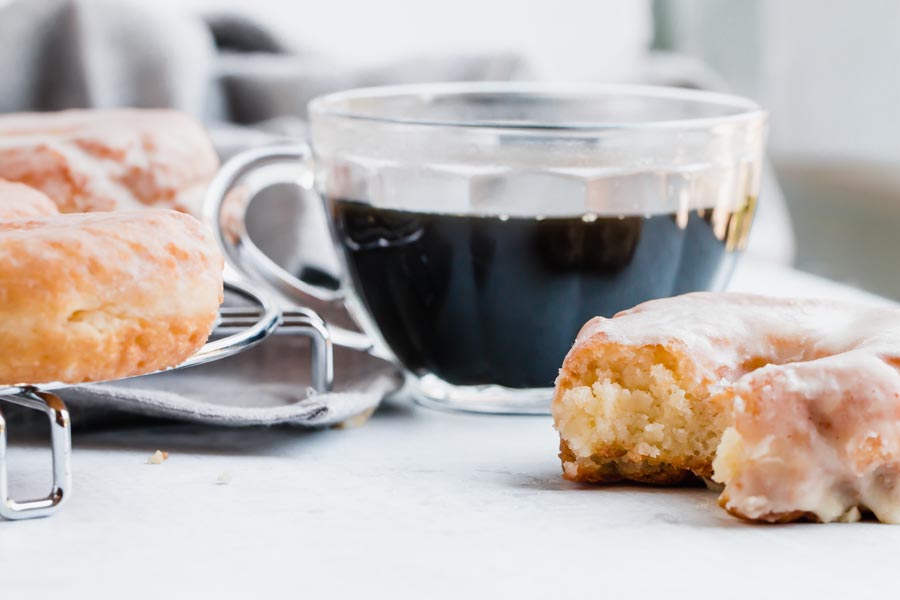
(414, 503)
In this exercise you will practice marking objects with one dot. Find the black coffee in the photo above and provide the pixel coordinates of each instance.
(484, 299)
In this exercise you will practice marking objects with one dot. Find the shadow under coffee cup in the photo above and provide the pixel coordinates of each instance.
(480, 225)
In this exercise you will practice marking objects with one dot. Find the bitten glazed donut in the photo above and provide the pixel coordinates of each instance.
(18, 201)
(99, 296)
(793, 405)
(103, 160)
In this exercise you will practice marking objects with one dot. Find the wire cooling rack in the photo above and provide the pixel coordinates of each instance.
(238, 328)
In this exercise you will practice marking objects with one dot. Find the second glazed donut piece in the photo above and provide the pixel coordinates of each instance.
(102, 160)
(817, 440)
(99, 296)
(18, 201)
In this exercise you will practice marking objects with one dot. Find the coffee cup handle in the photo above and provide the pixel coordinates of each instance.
(225, 209)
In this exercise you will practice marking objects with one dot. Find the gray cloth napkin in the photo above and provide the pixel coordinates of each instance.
(267, 385)
(251, 88)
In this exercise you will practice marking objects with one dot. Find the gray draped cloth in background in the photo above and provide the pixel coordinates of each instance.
(250, 87)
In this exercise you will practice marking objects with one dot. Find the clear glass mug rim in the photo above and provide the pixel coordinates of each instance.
(745, 109)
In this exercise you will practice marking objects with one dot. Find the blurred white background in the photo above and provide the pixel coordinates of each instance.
(565, 39)
(825, 68)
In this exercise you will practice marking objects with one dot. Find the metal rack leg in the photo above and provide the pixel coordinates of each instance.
(61, 445)
(322, 351)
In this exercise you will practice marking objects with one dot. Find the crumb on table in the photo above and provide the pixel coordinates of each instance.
(158, 457)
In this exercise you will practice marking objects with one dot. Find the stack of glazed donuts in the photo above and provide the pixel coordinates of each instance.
(103, 273)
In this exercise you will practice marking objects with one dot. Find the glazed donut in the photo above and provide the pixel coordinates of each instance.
(100, 296)
(103, 160)
(793, 405)
(18, 201)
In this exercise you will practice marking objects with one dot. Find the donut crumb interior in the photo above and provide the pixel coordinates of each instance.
(628, 413)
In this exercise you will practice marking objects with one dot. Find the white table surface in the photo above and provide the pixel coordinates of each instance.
(414, 503)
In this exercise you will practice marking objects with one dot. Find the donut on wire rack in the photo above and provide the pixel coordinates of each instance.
(100, 296)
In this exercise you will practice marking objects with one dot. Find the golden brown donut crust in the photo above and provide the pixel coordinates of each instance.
(103, 160)
(100, 296)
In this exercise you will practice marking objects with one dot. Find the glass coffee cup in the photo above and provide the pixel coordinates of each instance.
(479, 225)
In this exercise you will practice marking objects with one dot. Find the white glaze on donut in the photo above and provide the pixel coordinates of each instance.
(814, 391)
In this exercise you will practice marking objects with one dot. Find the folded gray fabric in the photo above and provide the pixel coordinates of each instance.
(267, 385)
(250, 87)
